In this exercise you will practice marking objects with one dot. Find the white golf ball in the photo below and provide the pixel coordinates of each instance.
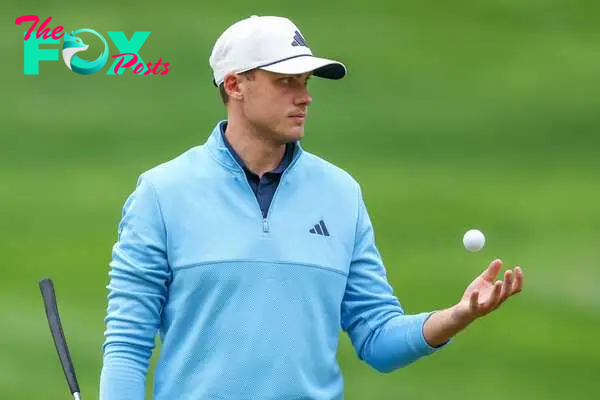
(473, 240)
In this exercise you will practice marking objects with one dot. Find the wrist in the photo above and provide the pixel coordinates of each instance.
(460, 317)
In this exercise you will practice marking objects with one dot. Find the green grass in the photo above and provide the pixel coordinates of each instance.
(453, 115)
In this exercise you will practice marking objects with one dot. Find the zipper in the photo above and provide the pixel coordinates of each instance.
(265, 220)
(281, 183)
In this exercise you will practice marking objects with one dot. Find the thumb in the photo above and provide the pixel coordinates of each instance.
(474, 300)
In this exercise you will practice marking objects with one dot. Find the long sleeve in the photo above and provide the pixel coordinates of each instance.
(382, 334)
(137, 290)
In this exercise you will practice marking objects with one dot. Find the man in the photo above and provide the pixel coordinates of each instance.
(248, 254)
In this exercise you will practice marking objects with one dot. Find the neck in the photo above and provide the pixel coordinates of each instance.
(258, 153)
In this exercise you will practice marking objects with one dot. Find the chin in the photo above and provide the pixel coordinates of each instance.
(290, 133)
(294, 134)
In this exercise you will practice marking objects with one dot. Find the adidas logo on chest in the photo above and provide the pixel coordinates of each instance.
(320, 229)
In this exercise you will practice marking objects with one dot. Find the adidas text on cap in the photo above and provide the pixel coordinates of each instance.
(271, 43)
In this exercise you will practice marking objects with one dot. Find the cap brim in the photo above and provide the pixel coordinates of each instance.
(320, 67)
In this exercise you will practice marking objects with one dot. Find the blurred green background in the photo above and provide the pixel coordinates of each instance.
(454, 115)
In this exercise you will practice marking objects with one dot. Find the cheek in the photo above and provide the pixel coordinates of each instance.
(260, 110)
(269, 108)
(269, 105)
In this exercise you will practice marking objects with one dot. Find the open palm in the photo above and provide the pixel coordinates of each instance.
(485, 293)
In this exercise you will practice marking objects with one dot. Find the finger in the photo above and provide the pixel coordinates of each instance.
(474, 300)
(507, 286)
(492, 270)
(518, 282)
(494, 296)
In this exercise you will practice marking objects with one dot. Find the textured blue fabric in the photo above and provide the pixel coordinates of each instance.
(246, 306)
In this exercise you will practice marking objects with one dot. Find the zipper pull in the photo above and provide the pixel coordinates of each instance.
(265, 225)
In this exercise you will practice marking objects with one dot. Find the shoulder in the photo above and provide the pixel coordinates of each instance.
(329, 174)
(178, 170)
(329, 170)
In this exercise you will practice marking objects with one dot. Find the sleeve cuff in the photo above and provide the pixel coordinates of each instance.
(422, 344)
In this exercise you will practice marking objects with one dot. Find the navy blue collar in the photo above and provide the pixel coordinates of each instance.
(287, 159)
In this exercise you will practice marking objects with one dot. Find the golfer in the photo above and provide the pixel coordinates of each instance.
(247, 255)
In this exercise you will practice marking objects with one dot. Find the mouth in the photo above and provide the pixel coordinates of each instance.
(298, 116)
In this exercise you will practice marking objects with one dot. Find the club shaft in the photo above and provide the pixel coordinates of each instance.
(60, 342)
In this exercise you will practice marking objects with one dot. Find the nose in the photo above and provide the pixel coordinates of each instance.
(303, 98)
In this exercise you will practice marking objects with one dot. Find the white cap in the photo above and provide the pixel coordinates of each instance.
(271, 43)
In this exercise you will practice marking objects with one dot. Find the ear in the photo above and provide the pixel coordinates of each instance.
(233, 87)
